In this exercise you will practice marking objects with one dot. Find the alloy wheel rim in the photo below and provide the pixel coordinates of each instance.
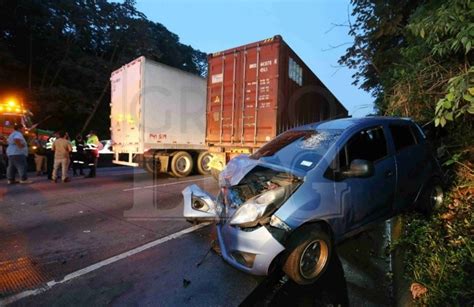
(437, 196)
(313, 259)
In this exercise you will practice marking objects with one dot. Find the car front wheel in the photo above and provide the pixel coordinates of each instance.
(310, 250)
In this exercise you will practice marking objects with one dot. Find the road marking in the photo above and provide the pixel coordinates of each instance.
(98, 265)
(133, 189)
(166, 184)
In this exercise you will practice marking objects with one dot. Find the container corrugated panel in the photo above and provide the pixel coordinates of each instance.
(259, 90)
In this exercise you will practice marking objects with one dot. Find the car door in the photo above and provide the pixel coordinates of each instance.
(412, 159)
(365, 199)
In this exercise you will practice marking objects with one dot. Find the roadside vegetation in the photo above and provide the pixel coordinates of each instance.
(416, 58)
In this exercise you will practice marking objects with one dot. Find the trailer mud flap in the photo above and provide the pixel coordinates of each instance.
(217, 161)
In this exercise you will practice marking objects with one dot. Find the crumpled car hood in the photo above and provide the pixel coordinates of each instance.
(241, 165)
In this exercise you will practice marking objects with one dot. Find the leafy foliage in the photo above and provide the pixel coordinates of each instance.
(415, 57)
(411, 54)
(447, 29)
(459, 99)
(59, 54)
(440, 249)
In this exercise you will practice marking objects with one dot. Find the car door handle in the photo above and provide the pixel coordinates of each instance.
(388, 173)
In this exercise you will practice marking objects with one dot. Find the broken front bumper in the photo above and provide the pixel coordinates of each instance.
(250, 251)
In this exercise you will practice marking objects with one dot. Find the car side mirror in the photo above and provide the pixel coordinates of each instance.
(359, 168)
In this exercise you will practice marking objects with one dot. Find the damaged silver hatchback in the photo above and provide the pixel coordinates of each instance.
(288, 203)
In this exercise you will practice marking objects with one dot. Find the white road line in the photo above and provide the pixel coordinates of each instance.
(132, 189)
(166, 184)
(98, 265)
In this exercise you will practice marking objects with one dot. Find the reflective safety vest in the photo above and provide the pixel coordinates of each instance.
(78, 146)
(92, 150)
(49, 144)
(93, 139)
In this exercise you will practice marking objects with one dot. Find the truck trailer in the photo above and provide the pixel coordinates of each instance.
(158, 118)
(257, 91)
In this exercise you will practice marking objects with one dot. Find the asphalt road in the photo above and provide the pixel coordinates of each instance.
(120, 239)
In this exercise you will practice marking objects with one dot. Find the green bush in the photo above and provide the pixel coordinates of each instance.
(439, 250)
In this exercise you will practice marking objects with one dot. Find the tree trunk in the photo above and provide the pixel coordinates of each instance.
(60, 66)
(96, 106)
(30, 64)
(97, 103)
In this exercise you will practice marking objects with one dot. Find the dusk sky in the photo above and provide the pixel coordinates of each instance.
(306, 25)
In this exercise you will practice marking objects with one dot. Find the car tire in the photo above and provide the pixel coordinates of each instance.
(203, 163)
(181, 164)
(431, 197)
(309, 254)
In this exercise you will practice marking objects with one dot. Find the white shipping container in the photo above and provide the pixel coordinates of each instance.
(155, 106)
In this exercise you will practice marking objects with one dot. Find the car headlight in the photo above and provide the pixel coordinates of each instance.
(260, 206)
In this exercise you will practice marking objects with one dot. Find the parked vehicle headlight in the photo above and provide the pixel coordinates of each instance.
(259, 206)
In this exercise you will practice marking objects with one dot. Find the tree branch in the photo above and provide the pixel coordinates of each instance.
(331, 47)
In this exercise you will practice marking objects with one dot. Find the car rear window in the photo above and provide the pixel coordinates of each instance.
(419, 134)
(402, 136)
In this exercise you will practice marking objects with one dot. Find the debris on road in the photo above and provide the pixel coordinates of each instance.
(186, 283)
(417, 290)
(203, 258)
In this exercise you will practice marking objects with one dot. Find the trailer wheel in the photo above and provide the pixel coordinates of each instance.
(181, 164)
(152, 167)
(203, 163)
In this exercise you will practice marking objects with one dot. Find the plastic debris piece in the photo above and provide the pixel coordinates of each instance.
(417, 290)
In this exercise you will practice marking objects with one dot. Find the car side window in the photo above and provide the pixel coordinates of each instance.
(403, 136)
(368, 144)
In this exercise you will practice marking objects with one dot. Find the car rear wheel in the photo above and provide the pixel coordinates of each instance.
(310, 250)
(203, 163)
(431, 197)
(181, 164)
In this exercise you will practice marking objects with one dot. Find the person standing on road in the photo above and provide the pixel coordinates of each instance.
(78, 156)
(92, 148)
(40, 156)
(17, 151)
(61, 148)
(3, 165)
(50, 155)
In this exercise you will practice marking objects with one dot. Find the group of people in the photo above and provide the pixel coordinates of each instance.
(56, 154)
